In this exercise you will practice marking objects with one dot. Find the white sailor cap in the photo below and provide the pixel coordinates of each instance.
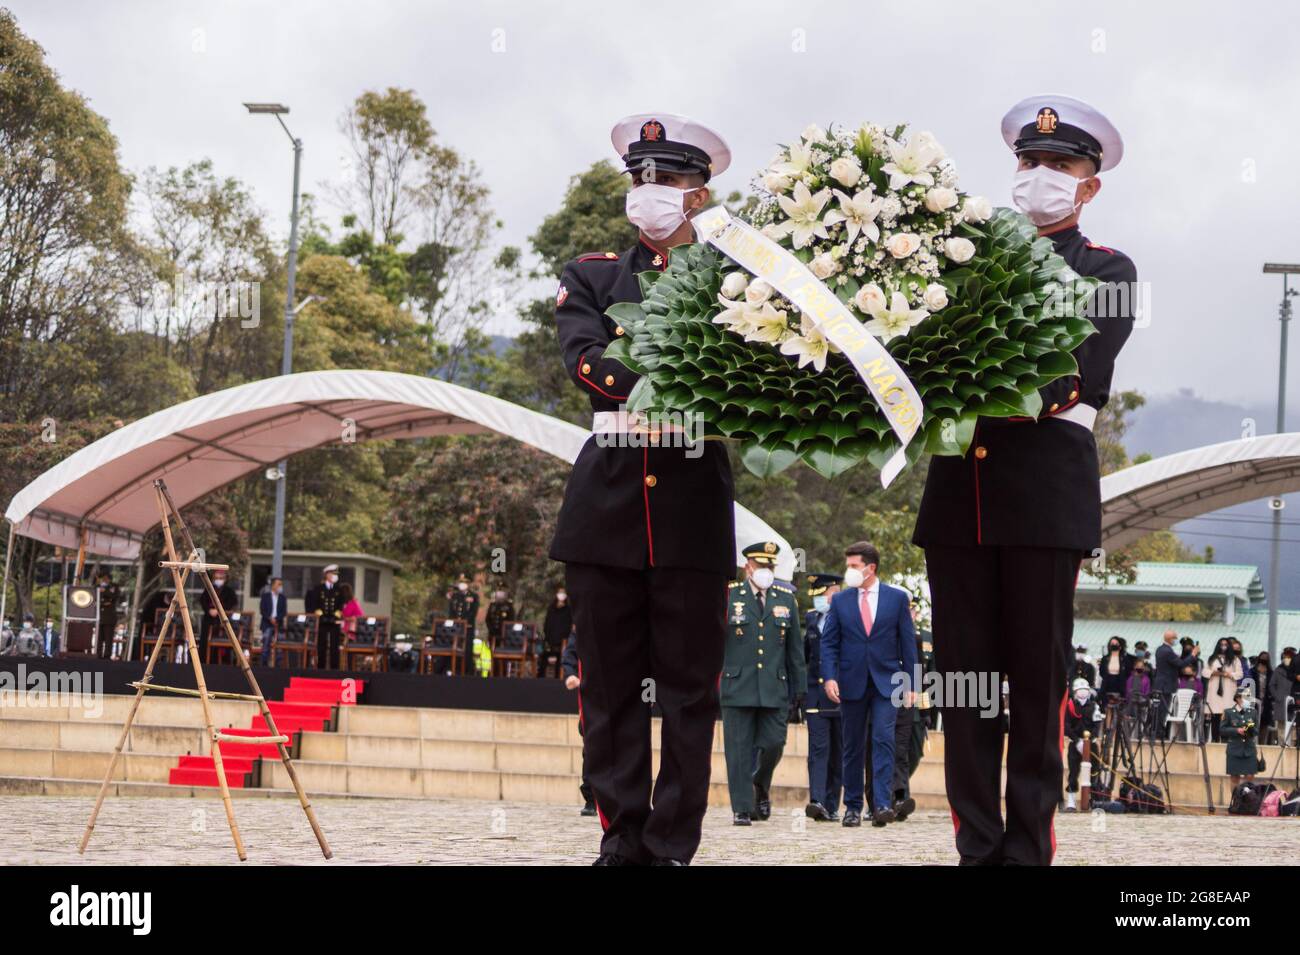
(1062, 124)
(670, 142)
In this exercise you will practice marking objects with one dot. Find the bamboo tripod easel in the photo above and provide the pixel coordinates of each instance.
(180, 570)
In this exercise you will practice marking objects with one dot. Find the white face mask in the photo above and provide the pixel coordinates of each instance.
(821, 603)
(462, 587)
(853, 577)
(656, 209)
(1045, 195)
(763, 578)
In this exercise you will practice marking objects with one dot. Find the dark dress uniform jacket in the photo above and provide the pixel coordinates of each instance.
(1035, 483)
(816, 700)
(632, 507)
(764, 656)
(328, 601)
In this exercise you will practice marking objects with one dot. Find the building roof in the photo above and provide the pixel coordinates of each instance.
(1250, 627)
(1158, 580)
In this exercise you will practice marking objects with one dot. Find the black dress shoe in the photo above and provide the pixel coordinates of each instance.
(664, 860)
(851, 818)
(589, 809)
(904, 808)
(612, 858)
(882, 818)
(740, 819)
(763, 811)
(833, 817)
(816, 811)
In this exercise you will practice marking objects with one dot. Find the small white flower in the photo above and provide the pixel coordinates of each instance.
(959, 250)
(935, 297)
(903, 244)
(898, 319)
(869, 298)
(846, 171)
(940, 198)
(734, 284)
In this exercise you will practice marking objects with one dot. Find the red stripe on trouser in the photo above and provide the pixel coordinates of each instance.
(1060, 743)
(604, 823)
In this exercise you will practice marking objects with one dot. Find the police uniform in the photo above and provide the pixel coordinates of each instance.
(463, 605)
(326, 601)
(647, 535)
(825, 746)
(498, 613)
(1004, 529)
(764, 659)
(211, 626)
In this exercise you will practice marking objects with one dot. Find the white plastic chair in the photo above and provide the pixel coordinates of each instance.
(1180, 711)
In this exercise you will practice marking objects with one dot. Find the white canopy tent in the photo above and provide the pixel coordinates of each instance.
(1159, 493)
(101, 500)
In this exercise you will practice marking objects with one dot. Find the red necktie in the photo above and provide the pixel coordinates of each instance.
(865, 606)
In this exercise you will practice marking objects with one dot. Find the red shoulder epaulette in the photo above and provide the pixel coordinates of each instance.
(599, 256)
(1101, 248)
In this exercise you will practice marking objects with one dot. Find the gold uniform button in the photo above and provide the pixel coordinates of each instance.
(1054, 407)
(981, 452)
(609, 379)
(821, 680)
(586, 369)
(618, 330)
(651, 481)
(760, 638)
(1073, 395)
(760, 666)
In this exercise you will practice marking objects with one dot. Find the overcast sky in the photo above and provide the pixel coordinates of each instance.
(1203, 93)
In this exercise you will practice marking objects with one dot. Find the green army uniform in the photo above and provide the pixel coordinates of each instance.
(763, 670)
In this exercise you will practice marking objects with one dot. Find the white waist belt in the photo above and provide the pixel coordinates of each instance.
(1085, 416)
(628, 422)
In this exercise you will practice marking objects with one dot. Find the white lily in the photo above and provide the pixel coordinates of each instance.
(897, 319)
(803, 212)
(858, 214)
(811, 347)
(797, 161)
(912, 162)
(735, 316)
(766, 325)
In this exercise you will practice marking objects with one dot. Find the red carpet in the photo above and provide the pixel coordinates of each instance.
(307, 706)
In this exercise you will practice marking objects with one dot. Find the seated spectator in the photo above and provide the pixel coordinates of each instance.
(1188, 680)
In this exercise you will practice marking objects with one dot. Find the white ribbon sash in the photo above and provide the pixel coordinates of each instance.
(779, 268)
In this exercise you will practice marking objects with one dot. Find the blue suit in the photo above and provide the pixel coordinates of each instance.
(869, 668)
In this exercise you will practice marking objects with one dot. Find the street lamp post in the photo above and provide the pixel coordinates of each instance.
(1274, 570)
(286, 363)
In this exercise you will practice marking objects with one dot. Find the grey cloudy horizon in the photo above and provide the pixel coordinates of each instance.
(1202, 94)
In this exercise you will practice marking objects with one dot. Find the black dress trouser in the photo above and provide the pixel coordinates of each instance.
(647, 636)
(1004, 610)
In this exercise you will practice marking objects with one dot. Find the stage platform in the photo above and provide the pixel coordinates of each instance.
(510, 695)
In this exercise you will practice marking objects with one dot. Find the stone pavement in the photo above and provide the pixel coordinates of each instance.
(160, 831)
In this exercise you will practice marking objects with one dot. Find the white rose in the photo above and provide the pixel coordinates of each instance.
(976, 209)
(935, 297)
(758, 292)
(734, 284)
(959, 250)
(814, 134)
(869, 297)
(824, 266)
(846, 171)
(940, 198)
(903, 244)
(775, 181)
